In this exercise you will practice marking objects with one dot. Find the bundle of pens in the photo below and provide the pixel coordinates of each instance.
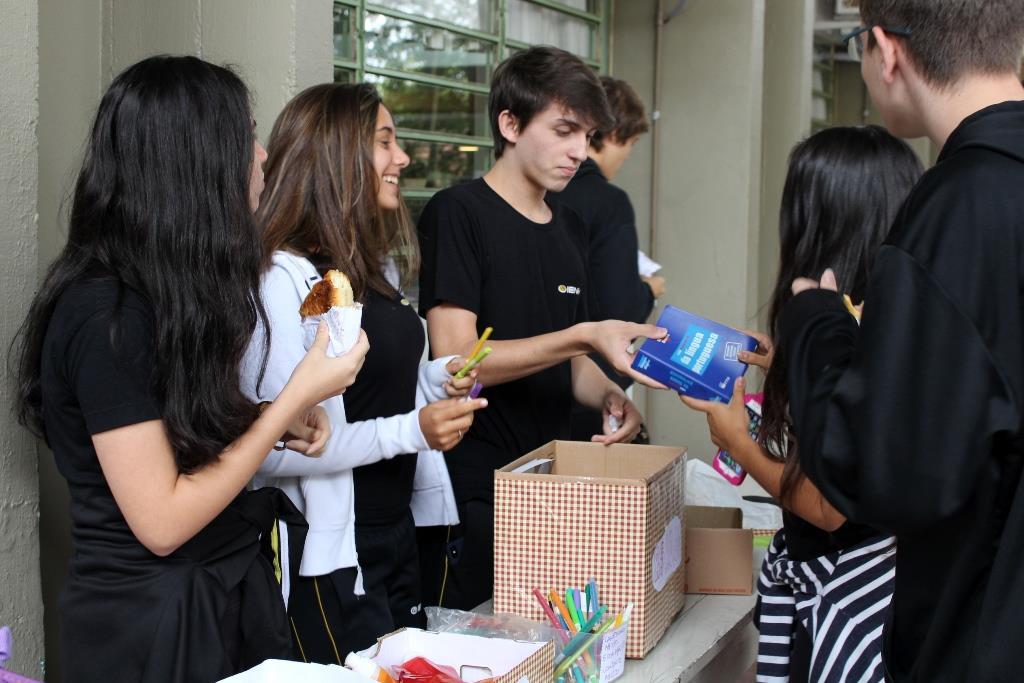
(578, 618)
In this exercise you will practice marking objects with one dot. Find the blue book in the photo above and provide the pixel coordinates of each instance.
(697, 358)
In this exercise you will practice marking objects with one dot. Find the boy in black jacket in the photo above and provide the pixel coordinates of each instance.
(914, 422)
(617, 291)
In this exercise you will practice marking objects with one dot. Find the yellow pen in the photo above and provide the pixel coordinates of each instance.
(480, 342)
(473, 362)
(850, 307)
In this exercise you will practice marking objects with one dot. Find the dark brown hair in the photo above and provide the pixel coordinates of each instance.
(321, 188)
(950, 39)
(161, 209)
(843, 190)
(529, 81)
(629, 118)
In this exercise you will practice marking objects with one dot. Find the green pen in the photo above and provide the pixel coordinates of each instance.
(570, 602)
(574, 655)
(473, 362)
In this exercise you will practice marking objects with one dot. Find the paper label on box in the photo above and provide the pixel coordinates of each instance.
(668, 554)
(613, 654)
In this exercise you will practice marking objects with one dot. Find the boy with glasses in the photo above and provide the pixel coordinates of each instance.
(914, 422)
(497, 253)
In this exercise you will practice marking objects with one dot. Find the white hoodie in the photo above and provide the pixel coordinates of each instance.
(322, 488)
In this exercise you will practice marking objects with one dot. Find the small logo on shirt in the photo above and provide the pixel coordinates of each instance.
(569, 289)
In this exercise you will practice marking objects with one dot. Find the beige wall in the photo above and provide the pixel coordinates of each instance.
(70, 36)
(735, 97)
(278, 46)
(786, 119)
(20, 603)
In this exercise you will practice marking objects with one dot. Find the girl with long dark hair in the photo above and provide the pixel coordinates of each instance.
(332, 201)
(128, 365)
(843, 190)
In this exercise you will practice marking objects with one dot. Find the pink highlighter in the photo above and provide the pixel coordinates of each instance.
(723, 462)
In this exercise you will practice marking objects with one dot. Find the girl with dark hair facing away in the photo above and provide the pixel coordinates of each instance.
(332, 201)
(842, 193)
(128, 365)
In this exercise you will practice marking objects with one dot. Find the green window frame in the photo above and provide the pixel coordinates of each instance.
(356, 67)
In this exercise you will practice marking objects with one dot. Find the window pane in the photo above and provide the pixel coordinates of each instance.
(428, 108)
(415, 206)
(344, 75)
(344, 32)
(397, 44)
(538, 25)
(478, 14)
(436, 165)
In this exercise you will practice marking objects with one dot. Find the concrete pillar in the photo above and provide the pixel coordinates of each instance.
(707, 180)
(20, 598)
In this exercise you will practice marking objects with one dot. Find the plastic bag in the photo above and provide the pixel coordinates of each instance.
(508, 626)
(422, 670)
(704, 486)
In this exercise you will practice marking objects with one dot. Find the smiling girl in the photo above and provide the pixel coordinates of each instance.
(332, 200)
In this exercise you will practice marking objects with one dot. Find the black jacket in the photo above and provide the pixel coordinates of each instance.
(616, 291)
(913, 422)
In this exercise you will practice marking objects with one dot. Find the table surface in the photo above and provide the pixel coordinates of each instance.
(708, 626)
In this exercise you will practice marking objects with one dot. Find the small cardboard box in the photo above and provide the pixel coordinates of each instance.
(476, 658)
(575, 511)
(719, 552)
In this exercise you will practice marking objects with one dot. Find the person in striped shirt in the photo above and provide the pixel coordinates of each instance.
(826, 582)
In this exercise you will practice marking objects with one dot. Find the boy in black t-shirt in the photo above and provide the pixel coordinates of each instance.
(497, 253)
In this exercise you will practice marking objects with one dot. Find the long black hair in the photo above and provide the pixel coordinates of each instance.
(161, 207)
(842, 192)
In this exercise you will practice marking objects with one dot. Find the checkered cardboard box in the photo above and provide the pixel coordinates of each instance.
(537, 668)
(601, 513)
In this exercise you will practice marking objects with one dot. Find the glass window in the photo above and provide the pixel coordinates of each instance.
(344, 32)
(436, 165)
(415, 203)
(474, 14)
(344, 75)
(537, 25)
(432, 108)
(432, 61)
(403, 45)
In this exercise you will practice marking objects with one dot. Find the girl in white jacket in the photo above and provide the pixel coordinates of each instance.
(332, 201)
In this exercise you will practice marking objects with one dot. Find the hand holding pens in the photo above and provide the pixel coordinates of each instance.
(478, 354)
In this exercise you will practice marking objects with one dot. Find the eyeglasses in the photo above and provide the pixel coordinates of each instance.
(855, 44)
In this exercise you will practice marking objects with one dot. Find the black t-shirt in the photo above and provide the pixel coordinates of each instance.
(126, 614)
(386, 386)
(523, 279)
(616, 291)
(804, 541)
(95, 377)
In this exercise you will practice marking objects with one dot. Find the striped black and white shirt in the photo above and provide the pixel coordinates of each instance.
(841, 599)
